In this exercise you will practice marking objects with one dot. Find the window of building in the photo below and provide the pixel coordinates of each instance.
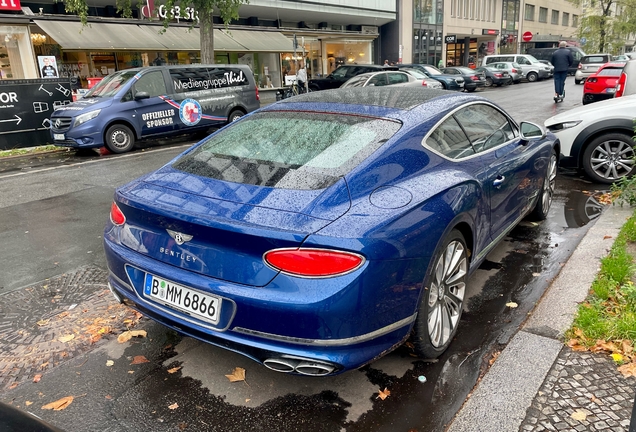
(575, 20)
(566, 19)
(529, 13)
(543, 15)
(453, 7)
(555, 17)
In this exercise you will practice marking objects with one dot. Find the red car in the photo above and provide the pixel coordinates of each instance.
(602, 84)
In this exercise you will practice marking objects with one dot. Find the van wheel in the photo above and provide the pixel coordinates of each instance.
(119, 138)
(532, 77)
(235, 115)
(577, 81)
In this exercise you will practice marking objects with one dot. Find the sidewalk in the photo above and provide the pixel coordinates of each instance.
(537, 382)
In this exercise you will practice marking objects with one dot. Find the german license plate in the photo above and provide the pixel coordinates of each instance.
(192, 302)
(58, 137)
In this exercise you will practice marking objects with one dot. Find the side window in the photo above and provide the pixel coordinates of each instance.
(486, 126)
(340, 72)
(357, 81)
(397, 78)
(152, 83)
(523, 60)
(509, 59)
(378, 80)
(450, 140)
(492, 60)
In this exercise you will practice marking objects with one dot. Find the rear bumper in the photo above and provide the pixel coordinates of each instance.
(332, 330)
(595, 97)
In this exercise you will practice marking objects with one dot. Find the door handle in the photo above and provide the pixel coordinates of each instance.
(498, 181)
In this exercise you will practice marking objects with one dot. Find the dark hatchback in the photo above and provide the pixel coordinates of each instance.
(495, 77)
(449, 82)
(472, 78)
(342, 74)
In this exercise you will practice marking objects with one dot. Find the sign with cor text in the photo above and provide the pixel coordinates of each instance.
(450, 39)
(10, 5)
(149, 11)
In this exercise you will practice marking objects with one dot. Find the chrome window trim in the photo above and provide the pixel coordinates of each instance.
(443, 119)
(329, 342)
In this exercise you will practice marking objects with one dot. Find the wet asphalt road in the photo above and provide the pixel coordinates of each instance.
(52, 210)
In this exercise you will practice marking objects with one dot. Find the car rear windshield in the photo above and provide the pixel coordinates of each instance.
(610, 72)
(594, 59)
(289, 150)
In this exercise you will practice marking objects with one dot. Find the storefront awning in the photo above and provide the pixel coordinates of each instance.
(100, 36)
(72, 35)
(260, 41)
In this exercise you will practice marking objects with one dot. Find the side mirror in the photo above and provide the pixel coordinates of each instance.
(141, 95)
(530, 131)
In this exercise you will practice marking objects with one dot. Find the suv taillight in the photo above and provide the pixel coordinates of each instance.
(620, 87)
(580, 66)
(258, 97)
(424, 83)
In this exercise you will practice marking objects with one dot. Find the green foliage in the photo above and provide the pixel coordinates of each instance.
(30, 150)
(609, 313)
(606, 24)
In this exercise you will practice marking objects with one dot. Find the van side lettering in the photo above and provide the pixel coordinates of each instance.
(157, 114)
(229, 79)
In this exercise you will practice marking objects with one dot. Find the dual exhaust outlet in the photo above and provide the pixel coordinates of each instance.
(300, 366)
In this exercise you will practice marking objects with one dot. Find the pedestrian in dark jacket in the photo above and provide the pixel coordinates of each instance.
(561, 60)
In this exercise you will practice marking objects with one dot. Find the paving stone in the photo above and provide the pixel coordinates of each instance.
(587, 382)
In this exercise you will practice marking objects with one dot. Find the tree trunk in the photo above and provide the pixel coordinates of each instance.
(206, 30)
(601, 36)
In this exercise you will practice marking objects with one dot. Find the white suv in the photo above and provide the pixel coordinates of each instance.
(597, 138)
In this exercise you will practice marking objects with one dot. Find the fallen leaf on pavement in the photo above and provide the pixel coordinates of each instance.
(59, 404)
(12, 386)
(27, 403)
(238, 374)
(174, 369)
(42, 323)
(66, 338)
(494, 357)
(627, 346)
(37, 378)
(129, 334)
(607, 237)
(383, 394)
(512, 305)
(139, 360)
(131, 372)
(44, 365)
(579, 415)
(602, 345)
(174, 406)
(109, 397)
(182, 426)
(628, 369)
(109, 362)
(576, 345)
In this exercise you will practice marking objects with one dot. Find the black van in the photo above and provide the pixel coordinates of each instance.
(155, 101)
(546, 54)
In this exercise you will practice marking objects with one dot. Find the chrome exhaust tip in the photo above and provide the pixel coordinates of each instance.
(114, 293)
(281, 364)
(313, 368)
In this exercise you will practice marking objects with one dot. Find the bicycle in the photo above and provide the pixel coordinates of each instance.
(294, 90)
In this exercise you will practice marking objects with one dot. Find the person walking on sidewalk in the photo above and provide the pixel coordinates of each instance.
(561, 60)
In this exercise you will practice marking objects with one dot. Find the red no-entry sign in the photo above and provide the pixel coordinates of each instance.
(527, 36)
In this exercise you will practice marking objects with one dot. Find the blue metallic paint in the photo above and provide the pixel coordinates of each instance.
(397, 238)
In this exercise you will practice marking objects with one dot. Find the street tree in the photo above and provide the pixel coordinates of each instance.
(206, 9)
(606, 24)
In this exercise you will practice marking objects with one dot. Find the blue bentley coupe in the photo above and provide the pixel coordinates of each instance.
(322, 231)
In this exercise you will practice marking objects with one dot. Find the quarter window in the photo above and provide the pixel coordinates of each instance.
(486, 126)
(450, 140)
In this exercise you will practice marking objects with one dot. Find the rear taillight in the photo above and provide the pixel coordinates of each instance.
(620, 87)
(306, 262)
(580, 66)
(116, 216)
(514, 71)
(258, 97)
(591, 80)
(498, 75)
(424, 84)
(474, 78)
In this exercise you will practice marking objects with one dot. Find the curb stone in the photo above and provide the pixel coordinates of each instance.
(501, 400)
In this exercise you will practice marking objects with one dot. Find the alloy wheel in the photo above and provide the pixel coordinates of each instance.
(612, 159)
(549, 184)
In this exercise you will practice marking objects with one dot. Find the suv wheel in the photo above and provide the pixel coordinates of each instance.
(609, 157)
(532, 76)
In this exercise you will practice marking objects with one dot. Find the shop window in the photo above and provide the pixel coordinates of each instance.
(555, 17)
(16, 54)
(152, 83)
(543, 15)
(566, 19)
(529, 12)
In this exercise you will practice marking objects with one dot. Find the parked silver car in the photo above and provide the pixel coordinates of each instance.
(589, 65)
(548, 64)
(513, 69)
(392, 78)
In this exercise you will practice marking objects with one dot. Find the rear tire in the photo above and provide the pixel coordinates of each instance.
(442, 298)
(544, 202)
(577, 81)
(235, 115)
(489, 82)
(119, 138)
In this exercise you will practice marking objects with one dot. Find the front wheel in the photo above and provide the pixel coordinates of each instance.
(609, 157)
(489, 82)
(544, 201)
(442, 299)
(119, 138)
(532, 77)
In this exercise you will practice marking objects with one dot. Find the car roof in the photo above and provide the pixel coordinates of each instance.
(403, 98)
